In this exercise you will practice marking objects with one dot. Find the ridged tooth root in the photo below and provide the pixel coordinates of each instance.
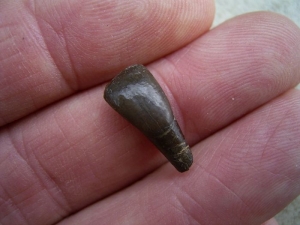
(137, 96)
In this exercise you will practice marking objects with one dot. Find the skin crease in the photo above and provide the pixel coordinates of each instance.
(67, 158)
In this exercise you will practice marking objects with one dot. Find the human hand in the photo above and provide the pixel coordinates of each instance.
(66, 157)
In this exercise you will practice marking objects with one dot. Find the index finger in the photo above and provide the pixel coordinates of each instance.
(54, 48)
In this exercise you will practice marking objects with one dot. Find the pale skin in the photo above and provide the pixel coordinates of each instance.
(67, 158)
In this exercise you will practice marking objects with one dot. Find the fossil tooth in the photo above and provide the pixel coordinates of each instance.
(137, 96)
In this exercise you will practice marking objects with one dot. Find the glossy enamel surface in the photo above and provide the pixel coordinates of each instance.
(137, 96)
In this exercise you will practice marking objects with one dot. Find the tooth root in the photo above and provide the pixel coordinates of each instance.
(137, 96)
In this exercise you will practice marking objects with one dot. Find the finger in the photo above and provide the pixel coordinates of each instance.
(244, 174)
(51, 49)
(82, 151)
(231, 70)
(271, 222)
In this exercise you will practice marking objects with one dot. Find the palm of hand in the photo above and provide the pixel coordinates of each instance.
(64, 150)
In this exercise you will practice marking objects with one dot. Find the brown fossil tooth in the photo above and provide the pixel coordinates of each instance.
(137, 96)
